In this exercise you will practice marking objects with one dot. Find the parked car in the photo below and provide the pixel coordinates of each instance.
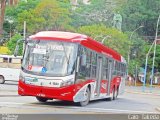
(9, 68)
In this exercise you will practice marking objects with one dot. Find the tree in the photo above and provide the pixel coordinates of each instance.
(98, 11)
(13, 2)
(34, 24)
(47, 15)
(12, 14)
(2, 12)
(141, 12)
(137, 52)
(12, 44)
(95, 13)
(117, 40)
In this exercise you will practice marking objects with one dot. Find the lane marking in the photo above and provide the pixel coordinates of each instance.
(12, 103)
(120, 110)
(87, 109)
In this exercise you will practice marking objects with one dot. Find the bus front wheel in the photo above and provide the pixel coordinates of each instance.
(41, 99)
(87, 95)
(2, 80)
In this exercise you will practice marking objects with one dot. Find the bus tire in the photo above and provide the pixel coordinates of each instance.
(41, 99)
(2, 80)
(87, 94)
(112, 97)
(117, 92)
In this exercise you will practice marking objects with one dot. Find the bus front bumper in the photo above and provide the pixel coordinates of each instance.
(63, 93)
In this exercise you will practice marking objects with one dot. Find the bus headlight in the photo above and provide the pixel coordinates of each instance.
(67, 83)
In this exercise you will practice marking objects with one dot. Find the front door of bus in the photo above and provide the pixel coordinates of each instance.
(98, 75)
(110, 67)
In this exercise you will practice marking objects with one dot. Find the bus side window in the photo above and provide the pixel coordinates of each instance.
(88, 63)
(85, 70)
(119, 70)
(82, 68)
(94, 65)
(116, 68)
(105, 68)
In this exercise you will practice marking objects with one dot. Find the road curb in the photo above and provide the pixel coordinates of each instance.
(142, 93)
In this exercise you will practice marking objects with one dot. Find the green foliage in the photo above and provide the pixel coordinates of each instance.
(137, 51)
(47, 15)
(13, 12)
(33, 23)
(157, 57)
(91, 20)
(99, 11)
(112, 37)
(12, 44)
(141, 12)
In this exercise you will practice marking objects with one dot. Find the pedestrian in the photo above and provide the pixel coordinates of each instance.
(130, 80)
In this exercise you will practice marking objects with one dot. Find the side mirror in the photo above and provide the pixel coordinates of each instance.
(16, 50)
(84, 60)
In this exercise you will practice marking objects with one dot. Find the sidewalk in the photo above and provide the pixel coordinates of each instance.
(155, 91)
(143, 90)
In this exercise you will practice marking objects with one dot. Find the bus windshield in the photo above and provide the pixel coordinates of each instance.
(50, 58)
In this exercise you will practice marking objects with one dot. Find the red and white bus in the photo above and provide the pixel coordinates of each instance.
(70, 66)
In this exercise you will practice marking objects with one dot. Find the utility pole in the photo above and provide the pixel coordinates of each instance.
(2, 12)
(130, 40)
(130, 46)
(24, 35)
(155, 45)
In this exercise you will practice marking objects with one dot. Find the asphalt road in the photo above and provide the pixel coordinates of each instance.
(11, 102)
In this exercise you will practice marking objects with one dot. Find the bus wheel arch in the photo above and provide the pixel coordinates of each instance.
(89, 87)
(87, 94)
(2, 79)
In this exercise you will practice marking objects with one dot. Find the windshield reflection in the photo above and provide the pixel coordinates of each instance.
(50, 58)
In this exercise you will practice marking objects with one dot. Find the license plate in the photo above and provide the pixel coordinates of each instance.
(31, 79)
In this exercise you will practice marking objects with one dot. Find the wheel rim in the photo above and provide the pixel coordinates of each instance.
(86, 96)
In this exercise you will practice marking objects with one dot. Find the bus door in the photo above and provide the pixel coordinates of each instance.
(109, 74)
(98, 75)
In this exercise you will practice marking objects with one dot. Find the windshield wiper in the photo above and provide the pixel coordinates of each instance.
(65, 52)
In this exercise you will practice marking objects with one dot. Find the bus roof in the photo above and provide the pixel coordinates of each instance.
(58, 35)
(80, 38)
